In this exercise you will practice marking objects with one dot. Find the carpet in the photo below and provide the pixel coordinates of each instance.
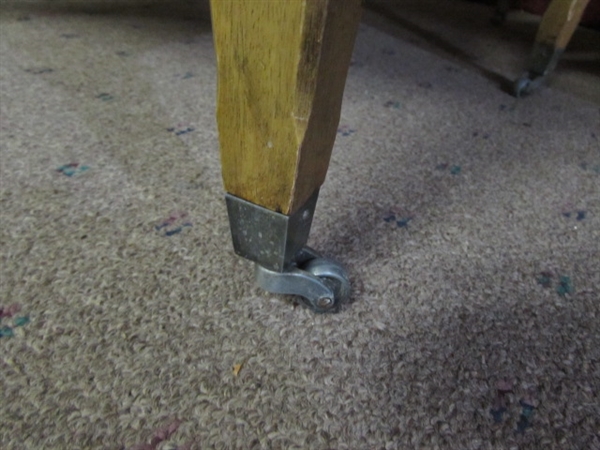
(469, 223)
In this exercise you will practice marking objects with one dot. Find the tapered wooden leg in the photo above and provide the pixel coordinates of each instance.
(282, 68)
(556, 29)
(559, 22)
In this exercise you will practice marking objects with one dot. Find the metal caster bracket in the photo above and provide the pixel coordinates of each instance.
(544, 59)
(322, 283)
(527, 84)
(284, 265)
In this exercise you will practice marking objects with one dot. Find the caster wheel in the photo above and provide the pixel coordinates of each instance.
(527, 84)
(334, 277)
(322, 283)
(522, 86)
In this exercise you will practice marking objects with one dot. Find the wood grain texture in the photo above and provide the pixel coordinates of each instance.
(560, 21)
(282, 69)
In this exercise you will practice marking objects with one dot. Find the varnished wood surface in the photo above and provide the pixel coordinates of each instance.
(560, 21)
(282, 69)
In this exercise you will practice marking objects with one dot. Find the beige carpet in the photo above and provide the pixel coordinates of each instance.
(469, 223)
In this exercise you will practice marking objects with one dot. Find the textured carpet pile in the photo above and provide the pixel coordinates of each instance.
(469, 223)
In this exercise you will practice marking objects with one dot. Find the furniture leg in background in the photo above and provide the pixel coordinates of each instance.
(502, 9)
(282, 68)
(556, 29)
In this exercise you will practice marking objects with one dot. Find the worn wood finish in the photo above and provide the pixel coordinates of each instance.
(560, 21)
(282, 68)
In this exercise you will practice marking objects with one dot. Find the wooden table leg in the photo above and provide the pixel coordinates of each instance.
(282, 66)
(556, 29)
(559, 22)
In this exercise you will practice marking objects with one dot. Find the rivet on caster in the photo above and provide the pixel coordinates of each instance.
(284, 265)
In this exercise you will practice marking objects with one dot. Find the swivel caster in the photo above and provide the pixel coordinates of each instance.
(322, 283)
(276, 243)
(542, 62)
(526, 84)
